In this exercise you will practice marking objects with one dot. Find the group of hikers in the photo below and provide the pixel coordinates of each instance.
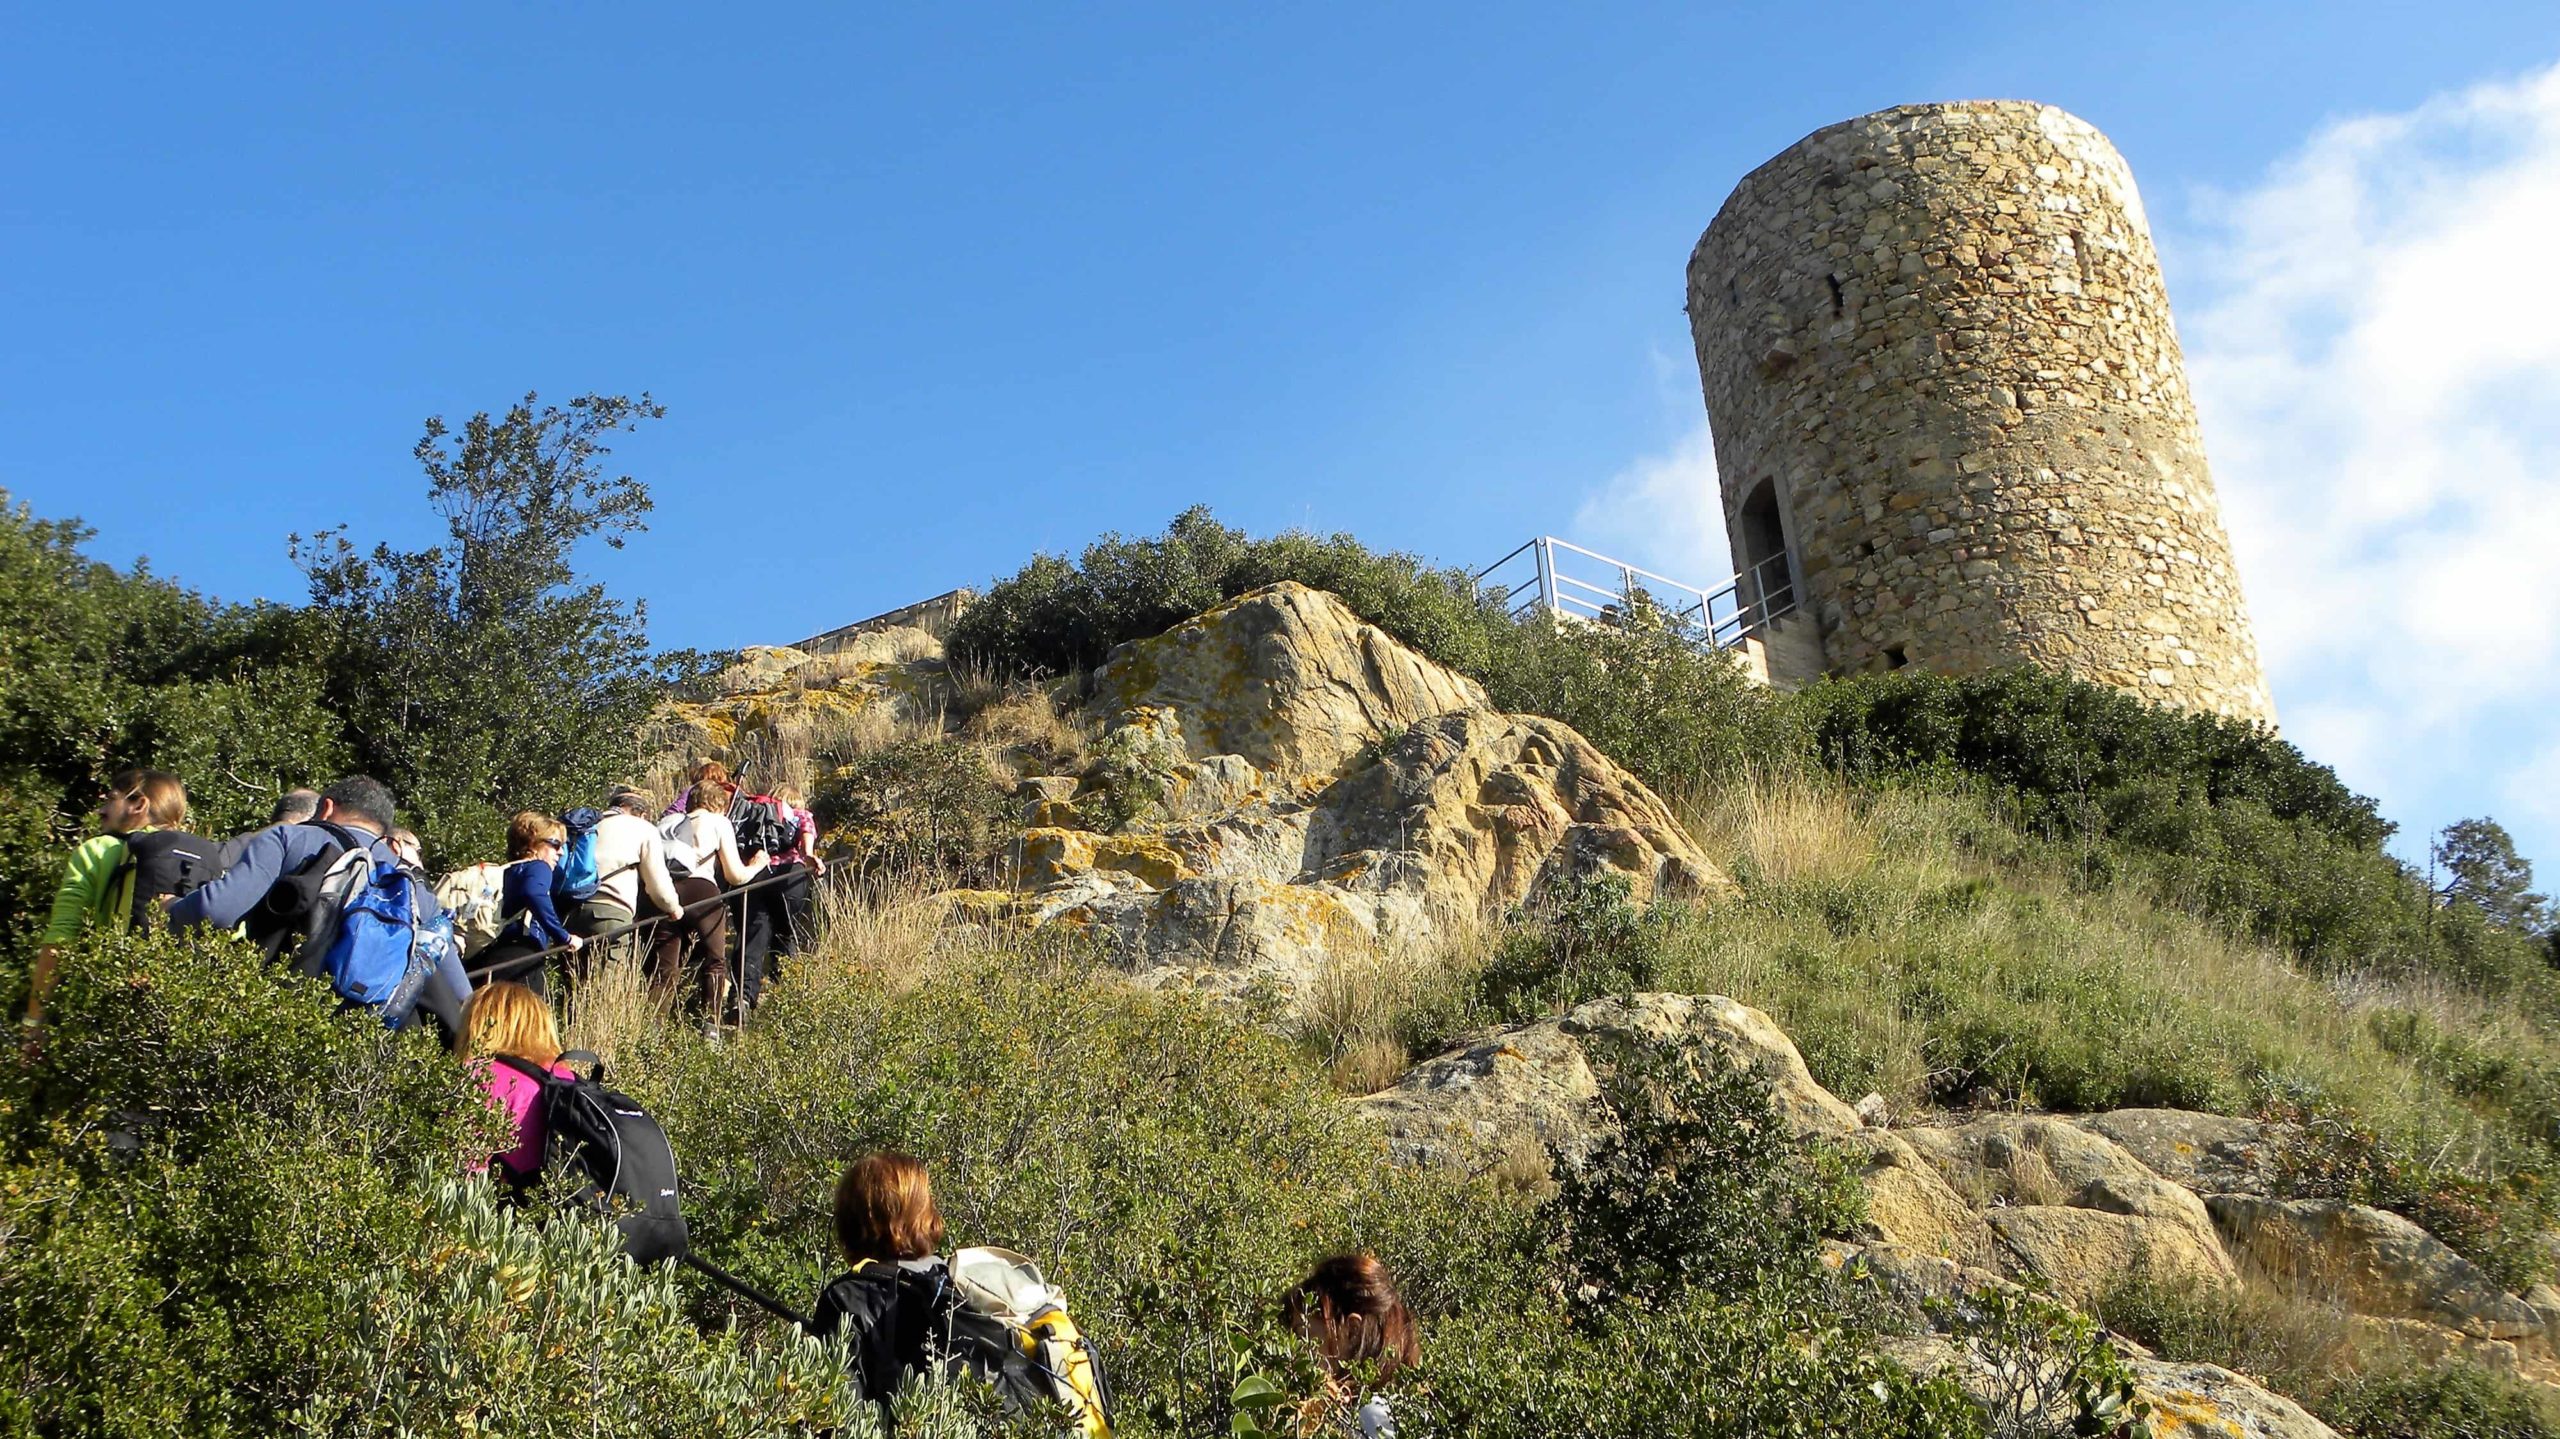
(332, 889)
(716, 854)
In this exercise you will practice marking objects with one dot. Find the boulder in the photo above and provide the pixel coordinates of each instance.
(2082, 1253)
(1909, 1206)
(1544, 1080)
(1315, 787)
(2206, 1153)
(2372, 1262)
(1286, 677)
(2035, 1160)
(2207, 1399)
(2192, 1401)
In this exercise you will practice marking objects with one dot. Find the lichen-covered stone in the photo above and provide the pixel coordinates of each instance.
(1938, 334)
(1543, 1080)
(2375, 1262)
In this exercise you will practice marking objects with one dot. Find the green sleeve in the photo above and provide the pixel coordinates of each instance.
(85, 882)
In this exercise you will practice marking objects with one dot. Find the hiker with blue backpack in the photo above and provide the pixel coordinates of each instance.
(527, 907)
(620, 862)
(338, 895)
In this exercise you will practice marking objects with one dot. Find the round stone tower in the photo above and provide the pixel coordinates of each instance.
(1951, 422)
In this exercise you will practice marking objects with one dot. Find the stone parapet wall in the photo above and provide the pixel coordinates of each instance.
(1940, 335)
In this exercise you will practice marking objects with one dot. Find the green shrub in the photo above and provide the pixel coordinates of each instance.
(1583, 940)
(1055, 617)
(1674, 715)
(1700, 1186)
(1132, 770)
(1174, 1168)
(519, 1322)
(1685, 1292)
(2450, 1400)
(2494, 1213)
(2064, 748)
(929, 805)
(200, 1158)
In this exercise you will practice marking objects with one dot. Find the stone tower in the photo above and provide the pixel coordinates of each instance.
(1944, 387)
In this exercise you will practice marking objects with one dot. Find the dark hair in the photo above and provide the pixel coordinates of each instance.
(295, 806)
(1349, 1308)
(630, 800)
(366, 799)
(884, 1209)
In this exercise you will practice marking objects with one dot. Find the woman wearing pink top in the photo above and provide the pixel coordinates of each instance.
(506, 1018)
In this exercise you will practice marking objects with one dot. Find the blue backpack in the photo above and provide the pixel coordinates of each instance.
(574, 880)
(376, 954)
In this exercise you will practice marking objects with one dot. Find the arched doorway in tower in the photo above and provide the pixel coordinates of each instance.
(1768, 571)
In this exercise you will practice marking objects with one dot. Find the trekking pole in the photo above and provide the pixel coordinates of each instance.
(740, 1287)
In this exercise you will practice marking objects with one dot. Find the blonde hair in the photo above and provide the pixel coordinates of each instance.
(504, 1017)
(163, 796)
(884, 1209)
(529, 828)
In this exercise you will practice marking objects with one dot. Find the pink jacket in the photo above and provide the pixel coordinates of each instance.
(513, 1092)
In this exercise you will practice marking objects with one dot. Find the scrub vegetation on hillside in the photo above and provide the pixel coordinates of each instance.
(224, 1210)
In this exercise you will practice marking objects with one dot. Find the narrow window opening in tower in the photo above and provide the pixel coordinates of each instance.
(1733, 292)
(1839, 297)
(1768, 572)
(1894, 658)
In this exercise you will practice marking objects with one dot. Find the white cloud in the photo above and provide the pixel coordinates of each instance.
(1663, 513)
(2375, 346)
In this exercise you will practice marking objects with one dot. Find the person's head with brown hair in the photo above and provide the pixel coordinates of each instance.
(530, 830)
(137, 798)
(884, 1209)
(1349, 1309)
(709, 796)
(710, 769)
(504, 1017)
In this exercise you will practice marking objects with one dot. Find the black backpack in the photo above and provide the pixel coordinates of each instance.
(163, 862)
(630, 1168)
(761, 825)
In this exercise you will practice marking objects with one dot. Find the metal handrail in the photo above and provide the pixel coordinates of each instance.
(1716, 619)
(526, 962)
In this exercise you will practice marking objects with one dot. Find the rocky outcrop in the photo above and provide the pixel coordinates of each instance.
(2207, 1153)
(1544, 1079)
(2058, 1204)
(2374, 1262)
(2204, 1401)
(1318, 789)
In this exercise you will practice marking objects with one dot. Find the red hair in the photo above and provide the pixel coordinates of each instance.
(1349, 1308)
(884, 1209)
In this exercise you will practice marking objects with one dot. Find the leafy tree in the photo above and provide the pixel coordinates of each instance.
(101, 670)
(484, 675)
(2484, 871)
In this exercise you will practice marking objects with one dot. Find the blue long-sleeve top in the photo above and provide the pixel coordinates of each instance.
(270, 855)
(526, 893)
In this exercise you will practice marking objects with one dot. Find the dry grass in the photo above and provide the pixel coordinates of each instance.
(890, 926)
(1369, 1009)
(614, 1009)
(1026, 723)
(976, 686)
(1784, 829)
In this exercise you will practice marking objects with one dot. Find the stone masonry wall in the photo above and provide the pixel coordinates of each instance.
(1941, 333)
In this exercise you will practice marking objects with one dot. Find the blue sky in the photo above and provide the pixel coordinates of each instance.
(926, 293)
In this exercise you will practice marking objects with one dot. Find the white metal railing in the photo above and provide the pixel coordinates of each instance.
(1567, 580)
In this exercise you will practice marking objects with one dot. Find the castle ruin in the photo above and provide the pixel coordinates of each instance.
(1951, 421)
